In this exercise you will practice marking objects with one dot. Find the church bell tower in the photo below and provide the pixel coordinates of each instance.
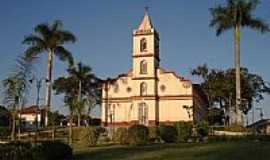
(145, 49)
(145, 58)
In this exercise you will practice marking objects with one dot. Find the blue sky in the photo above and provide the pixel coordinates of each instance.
(104, 28)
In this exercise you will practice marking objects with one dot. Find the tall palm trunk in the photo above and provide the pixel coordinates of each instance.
(237, 118)
(13, 125)
(49, 85)
(79, 101)
(20, 118)
(70, 128)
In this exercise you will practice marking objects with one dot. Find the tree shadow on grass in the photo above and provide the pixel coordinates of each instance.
(204, 151)
(124, 152)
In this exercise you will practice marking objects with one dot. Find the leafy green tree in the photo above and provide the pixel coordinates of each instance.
(84, 79)
(55, 118)
(80, 87)
(220, 86)
(234, 15)
(49, 39)
(82, 84)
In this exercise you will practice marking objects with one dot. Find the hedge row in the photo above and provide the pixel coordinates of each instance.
(87, 136)
(4, 132)
(179, 132)
(47, 150)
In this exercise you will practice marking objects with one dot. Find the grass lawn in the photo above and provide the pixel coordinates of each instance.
(208, 151)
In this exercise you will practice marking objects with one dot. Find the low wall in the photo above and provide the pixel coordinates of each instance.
(229, 133)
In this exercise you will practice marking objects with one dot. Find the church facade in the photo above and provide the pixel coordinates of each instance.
(149, 94)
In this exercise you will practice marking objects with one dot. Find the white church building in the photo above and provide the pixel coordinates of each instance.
(148, 94)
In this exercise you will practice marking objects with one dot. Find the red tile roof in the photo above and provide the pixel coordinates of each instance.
(30, 110)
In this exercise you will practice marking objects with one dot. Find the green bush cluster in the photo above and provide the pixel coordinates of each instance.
(138, 135)
(202, 128)
(154, 134)
(121, 135)
(47, 150)
(76, 133)
(88, 136)
(4, 132)
(15, 151)
(184, 131)
(168, 133)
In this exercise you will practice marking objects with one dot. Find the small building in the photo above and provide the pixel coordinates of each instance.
(29, 115)
(149, 94)
(262, 126)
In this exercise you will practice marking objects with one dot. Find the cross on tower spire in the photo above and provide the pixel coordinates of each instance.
(146, 23)
(146, 9)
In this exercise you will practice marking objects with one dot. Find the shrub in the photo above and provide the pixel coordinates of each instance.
(202, 128)
(101, 130)
(138, 135)
(88, 136)
(121, 135)
(15, 151)
(184, 131)
(49, 150)
(4, 132)
(153, 134)
(168, 133)
(76, 132)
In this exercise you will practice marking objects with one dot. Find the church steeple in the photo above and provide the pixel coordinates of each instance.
(145, 48)
(146, 23)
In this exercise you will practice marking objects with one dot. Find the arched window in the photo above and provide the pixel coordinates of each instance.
(143, 113)
(143, 45)
(143, 67)
(143, 89)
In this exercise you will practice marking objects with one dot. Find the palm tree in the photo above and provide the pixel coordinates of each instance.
(16, 87)
(72, 104)
(79, 88)
(11, 99)
(234, 15)
(49, 39)
(82, 76)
